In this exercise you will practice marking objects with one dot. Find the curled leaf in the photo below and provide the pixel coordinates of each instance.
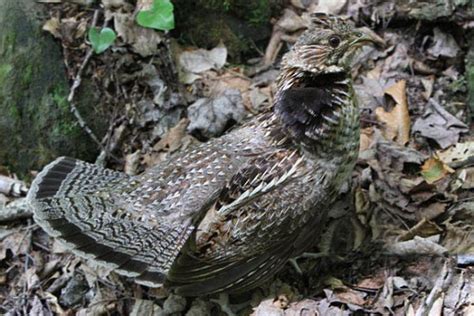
(397, 121)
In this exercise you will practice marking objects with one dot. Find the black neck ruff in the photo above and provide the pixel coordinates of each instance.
(302, 108)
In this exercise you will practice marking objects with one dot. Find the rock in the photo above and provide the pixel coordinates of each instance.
(35, 123)
(210, 117)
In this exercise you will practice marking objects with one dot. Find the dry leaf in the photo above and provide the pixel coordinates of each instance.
(397, 122)
(428, 84)
(434, 169)
(230, 81)
(52, 26)
(424, 228)
(144, 41)
(290, 21)
(144, 5)
(458, 152)
(15, 240)
(439, 125)
(329, 6)
(350, 296)
(366, 138)
(171, 141)
(200, 60)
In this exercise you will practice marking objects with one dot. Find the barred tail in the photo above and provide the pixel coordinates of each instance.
(82, 205)
(66, 177)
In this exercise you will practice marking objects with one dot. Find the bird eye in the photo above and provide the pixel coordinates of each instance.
(334, 41)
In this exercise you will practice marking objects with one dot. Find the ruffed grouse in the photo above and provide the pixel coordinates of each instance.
(227, 214)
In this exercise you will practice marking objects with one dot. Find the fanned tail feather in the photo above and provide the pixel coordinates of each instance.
(72, 202)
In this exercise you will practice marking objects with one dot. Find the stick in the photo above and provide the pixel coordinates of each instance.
(15, 210)
(77, 83)
(12, 187)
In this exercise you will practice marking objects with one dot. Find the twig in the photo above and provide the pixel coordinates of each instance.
(15, 210)
(77, 83)
(273, 47)
(12, 187)
(111, 140)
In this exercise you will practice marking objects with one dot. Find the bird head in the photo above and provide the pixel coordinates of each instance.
(328, 45)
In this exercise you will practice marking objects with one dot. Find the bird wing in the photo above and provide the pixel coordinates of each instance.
(179, 191)
(235, 239)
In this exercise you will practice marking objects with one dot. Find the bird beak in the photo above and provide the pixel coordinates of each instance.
(367, 36)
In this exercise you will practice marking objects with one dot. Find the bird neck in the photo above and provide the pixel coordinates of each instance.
(318, 113)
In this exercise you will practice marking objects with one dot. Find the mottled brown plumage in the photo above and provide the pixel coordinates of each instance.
(227, 214)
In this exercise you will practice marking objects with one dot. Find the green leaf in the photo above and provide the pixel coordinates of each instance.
(434, 169)
(160, 16)
(102, 40)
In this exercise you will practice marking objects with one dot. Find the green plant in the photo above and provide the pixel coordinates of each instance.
(160, 16)
(102, 40)
(259, 12)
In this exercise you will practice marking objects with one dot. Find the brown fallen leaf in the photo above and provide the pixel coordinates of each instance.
(434, 169)
(428, 84)
(52, 26)
(397, 122)
(366, 138)
(15, 240)
(424, 228)
(458, 152)
(171, 141)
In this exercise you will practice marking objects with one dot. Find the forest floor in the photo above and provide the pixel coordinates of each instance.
(401, 237)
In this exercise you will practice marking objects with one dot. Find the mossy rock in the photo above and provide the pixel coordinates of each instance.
(35, 122)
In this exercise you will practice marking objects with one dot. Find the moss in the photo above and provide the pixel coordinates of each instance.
(59, 96)
(7, 43)
(36, 124)
(254, 12)
(4, 71)
(239, 24)
(27, 76)
(13, 112)
(211, 32)
(260, 12)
